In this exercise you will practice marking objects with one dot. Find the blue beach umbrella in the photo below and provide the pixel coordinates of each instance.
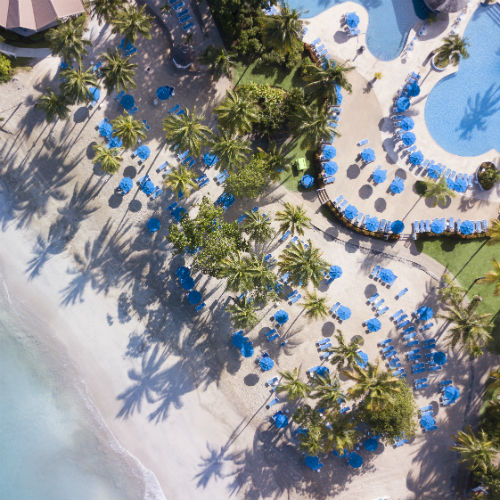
(322, 371)
(371, 444)
(451, 393)
(350, 212)
(434, 171)
(416, 158)
(154, 224)
(105, 128)
(115, 142)
(281, 317)
(266, 363)
(328, 152)
(313, 463)
(148, 187)
(397, 227)
(467, 227)
(427, 421)
(437, 226)
(127, 101)
(387, 276)
(397, 186)
(210, 159)
(352, 20)
(460, 185)
(413, 89)
(338, 93)
(343, 313)
(94, 93)
(247, 349)
(407, 123)
(178, 213)
(368, 155)
(307, 180)
(439, 358)
(355, 460)
(280, 420)
(402, 104)
(187, 283)
(380, 175)
(330, 168)
(163, 93)
(371, 223)
(182, 272)
(373, 325)
(425, 313)
(126, 184)
(143, 152)
(409, 138)
(363, 359)
(335, 272)
(238, 339)
(194, 297)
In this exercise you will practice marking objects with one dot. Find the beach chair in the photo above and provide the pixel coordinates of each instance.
(324, 347)
(414, 357)
(425, 327)
(315, 42)
(338, 200)
(173, 109)
(162, 167)
(484, 226)
(397, 373)
(334, 307)
(378, 303)
(396, 315)
(375, 272)
(323, 341)
(384, 342)
(429, 429)
(158, 191)
(400, 319)
(272, 403)
(200, 307)
(285, 235)
(295, 298)
(401, 293)
(362, 142)
(434, 368)
(295, 292)
(188, 26)
(382, 311)
(390, 354)
(409, 336)
(373, 298)
(272, 382)
(173, 205)
(429, 346)
(387, 349)
(412, 343)
(119, 95)
(426, 409)
(408, 330)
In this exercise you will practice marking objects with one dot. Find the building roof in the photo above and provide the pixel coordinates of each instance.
(36, 14)
(446, 5)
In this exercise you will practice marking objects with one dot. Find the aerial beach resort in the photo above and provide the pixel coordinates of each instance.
(250, 250)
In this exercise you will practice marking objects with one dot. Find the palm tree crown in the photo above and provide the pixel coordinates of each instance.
(345, 353)
(314, 306)
(291, 384)
(493, 277)
(283, 31)
(181, 180)
(293, 218)
(494, 232)
(438, 190)
(118, 72)
(453, 49)
(55, 106)
(128, 129)
(323, 81)
(235, 114)
(105, 10)
(76, 83)
(243, 313)
(109, 158)
(257, 226)
(131, 22)
(66, 40)
(232, 151)
(218, 61)
(478, 451)
(312, 126)
(328, 392)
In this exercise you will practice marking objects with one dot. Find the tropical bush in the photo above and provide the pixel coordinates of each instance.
(488, 175)
(5, 68)
(250, 179)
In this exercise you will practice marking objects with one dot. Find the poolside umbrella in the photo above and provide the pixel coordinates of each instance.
(143, 152)
(94, 93)
(368, 155)
(433, 171)
(425, 313)
(460, 185)
(397, 227)
(350, 212)
(330, 168)
(397, 186)
(247, 349)
(387, 276)
(329, 152)
(178, 213)
(402, 104)
(126, 184)
(105, 129)
(210, 159)
(451, 393)
(439, 358)
(163, 93)
(266, 363)
(313, 463)
(335, 272)
(450, 183)
(187, 283)
(115, 142)
(379, 175)
(127, 101)
(343, 313)
(373, 325)
(154, 224)
(281, 317)
(355, 460)
(194, 297)
(363, 359)
(280, 420)
(407, 123)
(307, 180)
(437, 226)
(371, 223)
(371, 444)
(413, 89)
(409, 138)
(352, 20)
(322, 371)
(148, 187)
(182, 272)
(416, 158)
(467, 227)
(427, 421)
(238, 340)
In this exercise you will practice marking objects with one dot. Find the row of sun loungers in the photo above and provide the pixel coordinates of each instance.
(450, 225)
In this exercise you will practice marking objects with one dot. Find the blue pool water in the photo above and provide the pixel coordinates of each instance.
(389, 23)
(462, 111)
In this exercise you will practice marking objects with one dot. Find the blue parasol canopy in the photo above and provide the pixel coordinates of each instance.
(148, 187)
(380, 175)
(247, 349)
(94, 93)
(143, 152)
(321, 371)
(182, 272)
(427, 421)
(280, 420)
(416, 158)
(387, 276)
(194, 297)
(329, 152)
(437, 226)
(350, 212)
(451, 393)
(210, 159)
(407, 123)
(281, 316)
(409, 138)
(371, 444)
(425, 313)
(355, 460)
(371, 223)
(397, 227)
(266, 363)
(434, 171)
(352, 20)
(467, 227)
(439, 358)
(154, 224)
(373, 325)
(307, 180)
(178, 213)
(363, 359)
(330, 168)
(313, 463)
(105, 128)
(460, 185)
(343, 313)
(397, 186)
(127, 101)
(413, 89)
(115, 142)
(187, 283)
(335, 272)
(238, 339)
(402, 104)
(163, 93)
(368, 155)
(126, 184)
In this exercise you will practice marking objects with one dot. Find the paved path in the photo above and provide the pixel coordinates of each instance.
(10, 50)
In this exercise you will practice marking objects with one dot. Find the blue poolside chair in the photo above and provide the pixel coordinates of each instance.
(295, 298)
(396, 314)
(323, 341)
(188, 26)
(384, 342)
(373, 298)
(272, 403)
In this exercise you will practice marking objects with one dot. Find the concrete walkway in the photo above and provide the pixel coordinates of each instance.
(10, 50)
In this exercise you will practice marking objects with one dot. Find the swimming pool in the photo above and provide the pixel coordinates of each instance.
(389, 23)
(462, 111)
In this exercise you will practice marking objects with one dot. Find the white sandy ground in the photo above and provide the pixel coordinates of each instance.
(169, 385)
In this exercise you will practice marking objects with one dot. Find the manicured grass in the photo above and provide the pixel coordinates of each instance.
(292, 178)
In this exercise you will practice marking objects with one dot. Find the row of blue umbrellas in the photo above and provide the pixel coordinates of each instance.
(362, 361)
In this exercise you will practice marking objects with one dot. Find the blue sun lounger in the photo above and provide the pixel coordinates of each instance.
(295, 298)
(323, 341)
(375, 271)
(272, 382)
(382, 311)
(396, 314)
(173, 109)
(334, 307)
(187, 26)
(384, 342)
(271, 403)
(373, 298)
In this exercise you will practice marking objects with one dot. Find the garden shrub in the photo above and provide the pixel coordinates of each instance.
(5, 68)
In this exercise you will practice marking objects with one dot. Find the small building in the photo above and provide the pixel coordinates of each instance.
(446, 6)
(26, 17)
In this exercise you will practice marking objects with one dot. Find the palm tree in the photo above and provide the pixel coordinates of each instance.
(218, 61)
(235, 268)
(109, 158)
(243, 313)
(55, 106)
(293, 218)
(66, 40)
(311, 126)
(477, 451)
(186, 131)
(283, 32)
(342, 432)
(493, 277)
(451, 292)
(314, 306)
(232, 151)
(453, 49)
(328, 392)
(128, 129)
(291, 384)
(376, 386)
(277, 158)
(494, 232)
(76, 83)
(118, 72)
(257, 226)
(313, 441)
(323, 81)
(345, 354)
(303, 263)
(181, 180)
(469, 328)
(438, 190)
(235, 114)
(105, 10)
(131, 22)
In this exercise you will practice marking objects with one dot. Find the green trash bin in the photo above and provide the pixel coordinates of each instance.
(301, 164)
